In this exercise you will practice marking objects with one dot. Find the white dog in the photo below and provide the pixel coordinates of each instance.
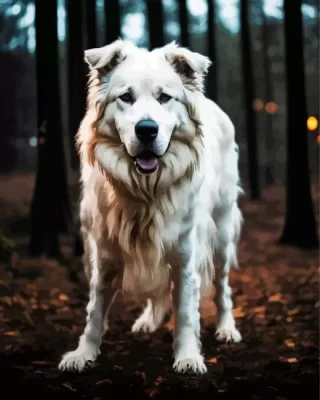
(159, 199)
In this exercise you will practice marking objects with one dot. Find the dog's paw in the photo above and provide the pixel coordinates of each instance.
(192, 364)
(144, 325)
(228, 335)
(78, 360)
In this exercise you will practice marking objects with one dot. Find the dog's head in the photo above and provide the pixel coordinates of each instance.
(146, 103)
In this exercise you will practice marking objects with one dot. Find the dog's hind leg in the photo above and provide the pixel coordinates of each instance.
(229, 225)
(152, 316)
(101, 296)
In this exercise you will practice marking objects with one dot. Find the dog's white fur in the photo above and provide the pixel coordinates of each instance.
(171, 225)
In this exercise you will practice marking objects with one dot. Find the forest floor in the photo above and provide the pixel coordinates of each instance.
(276, 305)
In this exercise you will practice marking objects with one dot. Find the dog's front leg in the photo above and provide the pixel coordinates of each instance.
(101, 296)
(186, 301)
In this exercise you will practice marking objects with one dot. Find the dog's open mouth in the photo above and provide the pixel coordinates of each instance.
(146, 162)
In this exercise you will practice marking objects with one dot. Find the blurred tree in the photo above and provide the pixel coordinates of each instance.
(212, 86)
(12, 32)
(80, 20)
(112, 19)
(269, 143)
(17, 94)
(171, 21)
(10, 66)
(248, 79)
(156, 24)
(300, 225)
(91, 17)
(230, 82)
(50, 211)
(184, 23)
(76, 73)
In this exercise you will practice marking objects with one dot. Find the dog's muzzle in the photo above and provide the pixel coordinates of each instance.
(146, 131)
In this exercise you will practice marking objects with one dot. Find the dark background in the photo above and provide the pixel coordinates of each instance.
(265, 75)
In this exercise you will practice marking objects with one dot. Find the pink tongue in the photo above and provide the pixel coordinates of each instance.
(148, 164)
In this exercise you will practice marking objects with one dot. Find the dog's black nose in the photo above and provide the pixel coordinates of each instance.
(146, 130)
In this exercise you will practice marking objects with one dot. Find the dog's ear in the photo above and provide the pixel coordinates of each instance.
(192, 67)
(105, 59)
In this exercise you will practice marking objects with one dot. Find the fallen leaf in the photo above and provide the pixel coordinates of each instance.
(7, 300)
(68, 385)
(212, 360)
(43, 362)
(294, 311)
(103, 381)
(142, 374)
(152, 392)
(291, 360)
(12, 333)
(108, 342)
(238, 312)
(275, 297)
(289, 343)
(259, 310)
(159, 380)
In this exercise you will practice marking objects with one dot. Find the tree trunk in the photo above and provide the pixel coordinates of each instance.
(183, 20)
(248, 80)
(113, 20)
(91, 22)
(155, 19)
(212, 85)
(50, 211)
(300, 225)
(268, 97)
(76, 74)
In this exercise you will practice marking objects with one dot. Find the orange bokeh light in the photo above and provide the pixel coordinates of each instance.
(318, 139)
(258, 104)
(312, 123)
(271, 107)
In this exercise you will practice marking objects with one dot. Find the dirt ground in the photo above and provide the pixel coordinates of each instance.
(276, 305)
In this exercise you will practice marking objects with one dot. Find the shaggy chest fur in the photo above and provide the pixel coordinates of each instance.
(142, 232)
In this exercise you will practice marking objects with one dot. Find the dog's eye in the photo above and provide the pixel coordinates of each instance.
(164, 98)
(127, 98)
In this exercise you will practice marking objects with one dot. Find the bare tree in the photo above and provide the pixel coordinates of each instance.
(50, 211)
(76, 73)
(300, 225)
(113, 20)
(212, 87)
(251, 126)
(268, 97)
(156, 24)
(184, 23)
(91, 23)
